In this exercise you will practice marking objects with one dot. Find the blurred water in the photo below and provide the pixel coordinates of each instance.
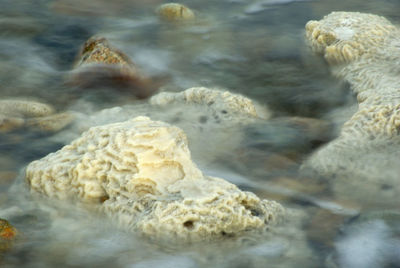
(255, 48)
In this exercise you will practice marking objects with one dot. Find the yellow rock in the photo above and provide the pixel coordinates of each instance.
(141, 174)
(175, 12)
(100, 64)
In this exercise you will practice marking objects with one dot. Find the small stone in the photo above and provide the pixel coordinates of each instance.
(174, 12)
(7, 235)
(24, 108)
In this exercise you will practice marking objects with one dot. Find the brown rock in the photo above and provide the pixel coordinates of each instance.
(100, 65)
(8, 124)
(7, 235)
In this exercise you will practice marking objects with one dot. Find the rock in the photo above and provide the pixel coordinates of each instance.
(223, 104)
(8, 123)
(48, 124)
(141, 174)
(362, 162)
(7, 235)
(24, 108)
(174, 12)
(101, 64)
(36, 116)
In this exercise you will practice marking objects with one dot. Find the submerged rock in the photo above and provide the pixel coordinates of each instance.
(222, 103)
(23, 108)
(7, 235)
(362, 162)
(51, 123)
(174, 12)
(141, 174)
(35, 116)
(101, 64)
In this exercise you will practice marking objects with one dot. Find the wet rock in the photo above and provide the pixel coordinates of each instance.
(223, 104)
(8, 123)
(51, 123)
(141, 174)
(24, 108)
(35, 116)
(102, 65)
(362, 162)
(174, 12)
(7, 235)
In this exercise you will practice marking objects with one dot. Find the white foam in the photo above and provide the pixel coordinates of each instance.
(368, 246)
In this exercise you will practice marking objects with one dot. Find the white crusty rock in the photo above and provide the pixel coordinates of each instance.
(36, 116)
(362, 49)
(141, 173)
(222, 103)
(24, 108)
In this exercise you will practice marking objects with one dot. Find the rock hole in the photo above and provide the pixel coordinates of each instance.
(104, 198)
(188, 225)
(223, 233)
(254, 212)
(224, 111)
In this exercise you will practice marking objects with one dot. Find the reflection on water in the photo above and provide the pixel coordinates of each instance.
(255, 48)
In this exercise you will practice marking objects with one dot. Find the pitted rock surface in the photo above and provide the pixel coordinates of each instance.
(362, 49)
(141, 173)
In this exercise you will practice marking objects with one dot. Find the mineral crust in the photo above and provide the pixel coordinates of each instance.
(362, 49)
(141, 174)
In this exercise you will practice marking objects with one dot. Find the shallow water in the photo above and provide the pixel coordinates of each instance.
(255, 48)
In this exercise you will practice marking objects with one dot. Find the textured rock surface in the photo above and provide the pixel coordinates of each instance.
(141, 173)
(362, 49)
(100, 64)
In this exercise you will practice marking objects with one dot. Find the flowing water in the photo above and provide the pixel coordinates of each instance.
(252, 47)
